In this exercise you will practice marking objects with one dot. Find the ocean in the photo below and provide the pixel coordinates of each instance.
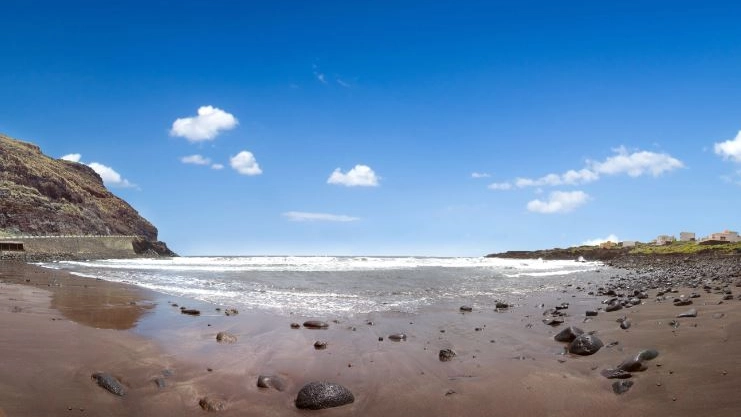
(338, 286)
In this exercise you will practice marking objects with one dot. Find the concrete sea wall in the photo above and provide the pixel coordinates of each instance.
(36, 247)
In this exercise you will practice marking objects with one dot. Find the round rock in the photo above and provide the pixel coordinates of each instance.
(212, 404)
(315, 324)
(585, 344)
(271, 381)
(446, 355)
(224, 337)
(319, 395)
(397, 337)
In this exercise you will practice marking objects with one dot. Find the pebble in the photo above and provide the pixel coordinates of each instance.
(319, 395)
(315, 324)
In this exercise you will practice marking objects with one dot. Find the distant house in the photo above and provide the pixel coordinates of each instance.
(607, 245)
(686, 237)
(664, 240)
(629, 243)
(725, 236)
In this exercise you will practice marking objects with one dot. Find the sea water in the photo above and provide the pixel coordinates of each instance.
(334, 285)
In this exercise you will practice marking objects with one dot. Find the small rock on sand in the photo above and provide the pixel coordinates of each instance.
(689, 313)
(224, 337)
(397, 337)
(591, 313)
(568, 334)
(231, 311)
(320, 345)
(212, 404)
(647, 354)
(585, 344)
(467, 309)
(190, 311)
(315, 324)
(110, 383)
(295, 326)
(621, 387)
(319, 395)
(271, 381)
(446, 355)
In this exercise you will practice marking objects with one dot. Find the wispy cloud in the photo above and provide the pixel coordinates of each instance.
(110, 177)
(245, 164)
(597, 241)
(300, 216)
(359, 176)
(559, 202)
(480, 175)
(343, 83)
(209, 122)
(195, 160)
(730, 149)
(217, 166)
(633, 164)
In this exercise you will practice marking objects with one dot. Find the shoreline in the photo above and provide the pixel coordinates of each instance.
(507, 361)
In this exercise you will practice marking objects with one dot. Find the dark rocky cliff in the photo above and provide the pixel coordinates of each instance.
(40, 196)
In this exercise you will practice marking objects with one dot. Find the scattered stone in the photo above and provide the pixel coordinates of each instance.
(446, 355)
(160, 382)
(591, 313)
(110, 383)
(625, 324)
(632, 365)
(647, 354)
(466, 309)
(397, 337)
(295, 326)
(501, 305)
(719, 315)
(682, 302)
(614, 306)
(320, 345)
(271, 381)
(615, 374)
(689, 313)
(190, 311)
(568, 334)
(621, 387)
(315, 324)
(585, 344)
(320, 395)
(224, 337)
(231, 311)
(212, 404)
(674, 323)
(553, 321)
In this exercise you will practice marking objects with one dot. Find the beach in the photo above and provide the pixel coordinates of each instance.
(60, 329)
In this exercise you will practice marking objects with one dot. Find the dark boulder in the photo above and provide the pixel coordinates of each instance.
(585, 344)
(568, 334)
(689, 313)
(397, 337)
(647, 354)
(110, 383)
(621, 387)
(614, 306)
(212, 404)
(319, 395)
(190, 311)
(632, 365)
(466, 309)
(320, 345)
(615, 374)
(591, 313)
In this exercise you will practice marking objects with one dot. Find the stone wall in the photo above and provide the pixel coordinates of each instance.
(39, 247)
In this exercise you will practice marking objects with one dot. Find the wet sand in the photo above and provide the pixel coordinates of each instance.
(58, 329)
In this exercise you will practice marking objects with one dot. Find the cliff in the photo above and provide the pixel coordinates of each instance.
(42, 196)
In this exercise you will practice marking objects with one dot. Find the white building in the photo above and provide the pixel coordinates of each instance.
(725, 236)
(686, 237)
(629, 243)
(665, 240)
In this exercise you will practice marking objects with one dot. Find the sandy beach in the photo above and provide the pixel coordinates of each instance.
(59, 329)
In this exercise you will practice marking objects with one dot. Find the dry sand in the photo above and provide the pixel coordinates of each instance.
(58, 329)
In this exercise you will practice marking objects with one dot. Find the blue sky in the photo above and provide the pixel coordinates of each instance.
(386, 128)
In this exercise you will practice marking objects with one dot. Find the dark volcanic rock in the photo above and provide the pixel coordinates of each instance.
(466, 309)
(614, 306)
(315, 324)
(320, 395)
(585, 344)
(224, 337)
(320, 345)
(190, 311)
(212, 404)
(632, 365)
(621, 387)
(591, 313)
(689, 313)
(110, 383)
(397, 337)
(295, 326)
(231, 312)
(682, 302)
(615, 374)
(625, 324)
(446, 355)
(501, 305)
(568, 334)
(553, 321)
(647, 354)
(271, 381)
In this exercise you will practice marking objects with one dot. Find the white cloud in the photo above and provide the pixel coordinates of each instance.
(217, 166)
(597, 241)
(245, 163)
(360, 176)
(209, 122)
(636, 163)
(110, 177)
(559, 202)
(321, 77)
(300, 216)
(730, 149)
(480, 175)
(500, 186)
(195, 160)
(73, 157)
(343, 83)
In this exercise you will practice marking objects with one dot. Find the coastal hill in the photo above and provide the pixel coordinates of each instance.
(44, 196)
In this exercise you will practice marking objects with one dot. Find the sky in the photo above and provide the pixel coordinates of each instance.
(388, 128)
